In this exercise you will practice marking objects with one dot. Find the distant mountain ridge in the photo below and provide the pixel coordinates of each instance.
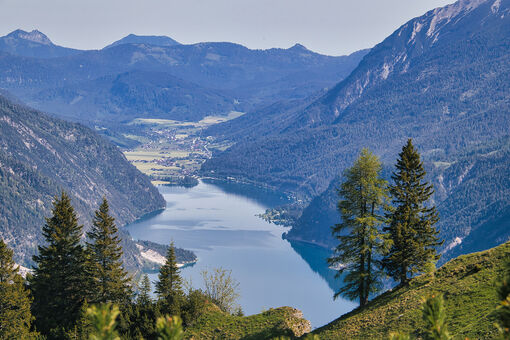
(33, 44)
(441, 79)
(250, 78)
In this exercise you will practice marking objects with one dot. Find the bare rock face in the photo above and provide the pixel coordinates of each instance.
(296, 322)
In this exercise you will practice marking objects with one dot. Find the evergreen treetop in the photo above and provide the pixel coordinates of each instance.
(144, 298)
(411, 229)
(169, 285)
(57, 283)
(110, 280)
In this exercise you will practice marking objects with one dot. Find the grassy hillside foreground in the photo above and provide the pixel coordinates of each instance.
(215, 324)
(468, 284)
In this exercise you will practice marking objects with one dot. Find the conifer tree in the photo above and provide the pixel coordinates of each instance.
(145, 312)
(363, 194)
(57, 283)
(169, 285)
(411, 228)
(144, 298)
(15, 315)
(110, 280)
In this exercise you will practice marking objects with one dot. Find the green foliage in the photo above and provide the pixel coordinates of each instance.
(103, 320)
(57, 283)
(139, 320)
(399, 336)
(503, 311)
(169, 328)
(434, 315)
(169, 285)
(221, 288)
(411, 229)
(469, 284)
(144, 298)
(363, 194)
(15, 315)
(110, 282)
(194, 307)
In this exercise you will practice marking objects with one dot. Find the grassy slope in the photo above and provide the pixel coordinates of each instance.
(272, 323)
(469, 287)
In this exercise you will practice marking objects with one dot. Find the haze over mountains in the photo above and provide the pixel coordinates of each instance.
(441, 79)
(157, 76)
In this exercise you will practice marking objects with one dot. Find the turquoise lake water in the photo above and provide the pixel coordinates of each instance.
(218, 222)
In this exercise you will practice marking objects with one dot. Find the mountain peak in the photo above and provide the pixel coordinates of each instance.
(298, 47)
(157, 40)
(33, 36)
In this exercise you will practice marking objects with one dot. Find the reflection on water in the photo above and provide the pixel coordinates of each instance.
(316, 258)
(219, 223)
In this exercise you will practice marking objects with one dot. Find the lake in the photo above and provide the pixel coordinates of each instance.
(218, 222)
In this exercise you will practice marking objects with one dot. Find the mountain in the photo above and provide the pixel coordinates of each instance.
(133, 94)
(33, 44)
(440, 79)
(252, 78)
(145, 39)
(475, 276)
(40, 156)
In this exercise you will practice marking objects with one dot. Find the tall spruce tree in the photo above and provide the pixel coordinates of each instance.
(15, 315)
(110, 280)
(169, 285)
(144, 298)
(363, 194)
(411, 228)
(57, 283)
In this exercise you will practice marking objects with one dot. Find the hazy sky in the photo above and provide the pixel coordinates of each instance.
(332, 27)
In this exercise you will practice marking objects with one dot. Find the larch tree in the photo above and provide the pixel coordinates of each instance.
(59, 274)
(15, 315)
(411, 227)
(169, 285)
(363, 194)
(111, 283)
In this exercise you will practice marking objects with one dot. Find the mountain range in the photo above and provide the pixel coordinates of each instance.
(441, 79)
(203, 78)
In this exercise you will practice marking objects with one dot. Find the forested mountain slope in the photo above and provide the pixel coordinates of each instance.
(472, 190)
(443, 83)
(248, 78)
(441, 79)
(133, 94)
(40, 156)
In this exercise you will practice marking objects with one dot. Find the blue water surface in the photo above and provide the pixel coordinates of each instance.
(218, 222)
